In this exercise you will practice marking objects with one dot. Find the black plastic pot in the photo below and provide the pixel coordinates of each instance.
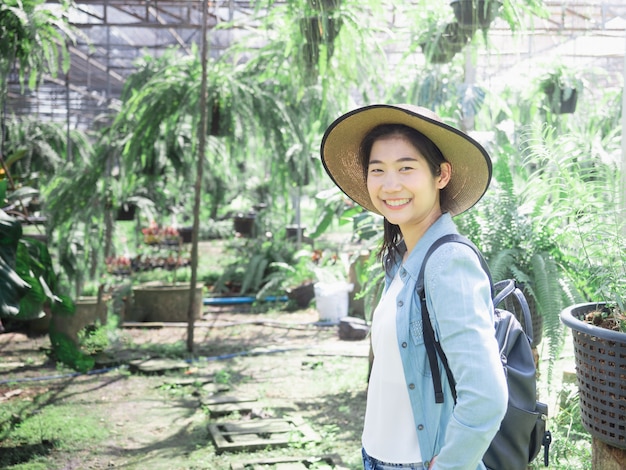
(302, 295)
(244, 224)
(439, 50)
(185, 233)
(600, 356)
(126, 212)
(562, 100)
(292, 232)
(474, 14)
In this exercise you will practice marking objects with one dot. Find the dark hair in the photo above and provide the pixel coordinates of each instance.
(431, 153)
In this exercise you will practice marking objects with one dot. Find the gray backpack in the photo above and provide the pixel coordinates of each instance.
(523, 429)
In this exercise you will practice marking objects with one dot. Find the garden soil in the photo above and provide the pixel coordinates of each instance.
(142, 414)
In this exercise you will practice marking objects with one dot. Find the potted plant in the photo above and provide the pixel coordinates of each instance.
(582, 196)
(442, 41)
(561, 86)
(126, 212)
(252, 268)
(319, 28)
(598, 329)
(296, 278)
(244, 224)
(599, 335)
(475, 14)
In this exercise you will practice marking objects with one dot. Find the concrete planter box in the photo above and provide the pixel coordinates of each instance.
(159, 302)
(88, 312)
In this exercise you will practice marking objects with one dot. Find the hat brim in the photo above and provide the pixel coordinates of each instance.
(471, 165)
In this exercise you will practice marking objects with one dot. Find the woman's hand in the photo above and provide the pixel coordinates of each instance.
(432, 463)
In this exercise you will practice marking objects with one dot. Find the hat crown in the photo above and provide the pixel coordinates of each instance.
(420, 110)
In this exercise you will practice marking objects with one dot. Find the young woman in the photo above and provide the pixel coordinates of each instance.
(404, 163)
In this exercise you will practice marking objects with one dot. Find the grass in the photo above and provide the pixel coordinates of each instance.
(32, 431)
(571, 443)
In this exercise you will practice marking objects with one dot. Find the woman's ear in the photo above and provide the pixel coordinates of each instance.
(444, 176)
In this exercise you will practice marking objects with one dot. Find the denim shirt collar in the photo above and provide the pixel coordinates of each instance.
(442, 226)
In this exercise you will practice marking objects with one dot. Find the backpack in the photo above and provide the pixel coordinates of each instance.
(523, 429)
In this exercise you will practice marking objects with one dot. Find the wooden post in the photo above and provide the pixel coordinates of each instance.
(623, 181)
(623, 167)
(606, 457)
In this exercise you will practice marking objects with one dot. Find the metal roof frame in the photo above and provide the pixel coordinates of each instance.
(118, 32)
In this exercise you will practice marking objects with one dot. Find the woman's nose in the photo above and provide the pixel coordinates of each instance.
(391, 182)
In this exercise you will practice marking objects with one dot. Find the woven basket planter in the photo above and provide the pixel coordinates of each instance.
(600, 356)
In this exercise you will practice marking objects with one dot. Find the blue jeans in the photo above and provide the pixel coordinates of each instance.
(370, 463)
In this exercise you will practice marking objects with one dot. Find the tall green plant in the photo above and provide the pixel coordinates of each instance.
(35, 151)
(30, 287)
(516, 244)
(579, 173)
(159, 116)
(35, 35)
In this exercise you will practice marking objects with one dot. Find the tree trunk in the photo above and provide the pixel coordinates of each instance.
(198, 186)
(606, 457)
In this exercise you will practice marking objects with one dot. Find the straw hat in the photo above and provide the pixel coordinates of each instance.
(471, 165)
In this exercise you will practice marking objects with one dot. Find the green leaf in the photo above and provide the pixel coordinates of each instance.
(3, 190)
(68, 352)
(12, 287)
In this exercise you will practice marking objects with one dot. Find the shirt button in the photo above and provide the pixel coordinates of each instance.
(404, 344)
(412, 386)
(420, 427)
(400, 303)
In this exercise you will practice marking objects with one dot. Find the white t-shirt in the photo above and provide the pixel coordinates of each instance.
(389, 431)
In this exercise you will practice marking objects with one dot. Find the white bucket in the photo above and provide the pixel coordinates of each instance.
(331, 300)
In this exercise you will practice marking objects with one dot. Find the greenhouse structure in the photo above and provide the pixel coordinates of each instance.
(169, 234)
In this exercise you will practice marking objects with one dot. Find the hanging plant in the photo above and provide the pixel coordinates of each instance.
(443, 41)
(319, 28)
(561, 86)
(475, 14)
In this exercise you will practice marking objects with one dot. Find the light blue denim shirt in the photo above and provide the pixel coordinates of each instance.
(458, 296)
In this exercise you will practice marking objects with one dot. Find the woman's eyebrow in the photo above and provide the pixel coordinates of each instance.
(399, 160)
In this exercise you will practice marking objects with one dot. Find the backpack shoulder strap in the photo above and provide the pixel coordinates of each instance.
(451, 237)
(432, 346)
(507, 288)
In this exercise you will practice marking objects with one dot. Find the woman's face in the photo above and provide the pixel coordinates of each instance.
(401, 184)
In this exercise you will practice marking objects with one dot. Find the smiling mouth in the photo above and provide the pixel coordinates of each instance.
(396, 202)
